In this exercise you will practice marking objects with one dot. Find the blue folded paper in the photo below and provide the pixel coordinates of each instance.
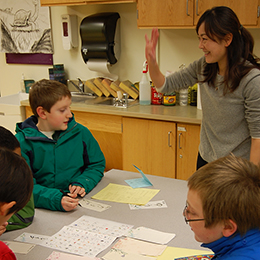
(139, 182)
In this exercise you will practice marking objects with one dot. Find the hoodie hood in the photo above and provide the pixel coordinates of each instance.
(30, 130)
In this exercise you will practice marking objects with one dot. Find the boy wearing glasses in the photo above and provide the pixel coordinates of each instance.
(223, 208)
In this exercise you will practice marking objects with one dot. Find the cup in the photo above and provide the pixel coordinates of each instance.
(27, 84)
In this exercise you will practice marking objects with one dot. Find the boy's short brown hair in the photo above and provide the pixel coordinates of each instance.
(229, 188)
(46, 93)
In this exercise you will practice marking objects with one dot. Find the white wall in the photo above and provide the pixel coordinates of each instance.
(176, 46)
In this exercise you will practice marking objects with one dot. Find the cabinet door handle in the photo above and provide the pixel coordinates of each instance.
(169, 138)
(197, 7)
(180, 140)
(187, 8)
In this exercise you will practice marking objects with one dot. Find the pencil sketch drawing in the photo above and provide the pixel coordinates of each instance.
(25, 27)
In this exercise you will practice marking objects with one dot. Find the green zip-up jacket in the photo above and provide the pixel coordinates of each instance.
(72, 157)
(23, 218)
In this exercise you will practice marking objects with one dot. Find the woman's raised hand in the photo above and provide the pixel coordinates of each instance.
(150, 48)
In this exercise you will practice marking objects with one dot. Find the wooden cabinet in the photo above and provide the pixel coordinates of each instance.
(62, 2)
(247, 11)
(157, 147)
(188, 138)
(109, 1)
(160, 148)
(185, 13)
(82, 2)
(165, 13)
(150, 145)
(107, 130)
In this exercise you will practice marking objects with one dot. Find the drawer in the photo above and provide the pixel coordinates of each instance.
(99, 122)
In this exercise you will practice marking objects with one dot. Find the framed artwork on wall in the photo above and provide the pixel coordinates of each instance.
(25, 32)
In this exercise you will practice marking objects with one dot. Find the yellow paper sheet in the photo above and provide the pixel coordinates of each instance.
(170, 253)
(125, 194)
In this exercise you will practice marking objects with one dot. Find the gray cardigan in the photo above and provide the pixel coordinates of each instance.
(228, 122)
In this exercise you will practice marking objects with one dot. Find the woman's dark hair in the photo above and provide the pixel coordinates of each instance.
(220, 21)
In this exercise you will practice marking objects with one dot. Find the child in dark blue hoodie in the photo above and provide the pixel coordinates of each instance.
(223, 208)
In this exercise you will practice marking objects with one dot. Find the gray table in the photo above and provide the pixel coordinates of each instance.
(168, 219)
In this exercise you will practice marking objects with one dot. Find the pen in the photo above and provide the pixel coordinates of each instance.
(66, 194)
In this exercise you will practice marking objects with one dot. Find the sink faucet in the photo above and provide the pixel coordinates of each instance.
(79, 87)
(121, 101)
(125, 100)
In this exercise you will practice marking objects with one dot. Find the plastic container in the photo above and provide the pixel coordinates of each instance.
(193, 95)
(189, 92)
(145, 87)
(169, 100)
(183, 97)
(156, 98)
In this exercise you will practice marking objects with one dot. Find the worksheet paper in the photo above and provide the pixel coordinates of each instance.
(31, 238)
(125, 194)
(150, 205)
(93, 205)
(117, 254)
(63, 256)
(19, 248)
(101, 226)
(196, 257)
(151, 235)
(177, 252)
(80, 242)
(87, 236)
(138, 247)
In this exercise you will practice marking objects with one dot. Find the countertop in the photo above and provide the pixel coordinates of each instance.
(187, 114)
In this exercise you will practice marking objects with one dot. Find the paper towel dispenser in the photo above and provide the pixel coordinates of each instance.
(100, 37)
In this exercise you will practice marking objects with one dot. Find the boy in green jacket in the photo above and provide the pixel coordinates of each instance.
(23, 217)
(64, 157)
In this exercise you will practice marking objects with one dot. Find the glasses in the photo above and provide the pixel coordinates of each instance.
(189, 220)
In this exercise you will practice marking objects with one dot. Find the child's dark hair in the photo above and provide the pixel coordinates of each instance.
(46, 93)
(8, 140)
(16, 181)
(219, 22)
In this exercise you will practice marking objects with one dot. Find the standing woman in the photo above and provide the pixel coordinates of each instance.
(229, 78)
